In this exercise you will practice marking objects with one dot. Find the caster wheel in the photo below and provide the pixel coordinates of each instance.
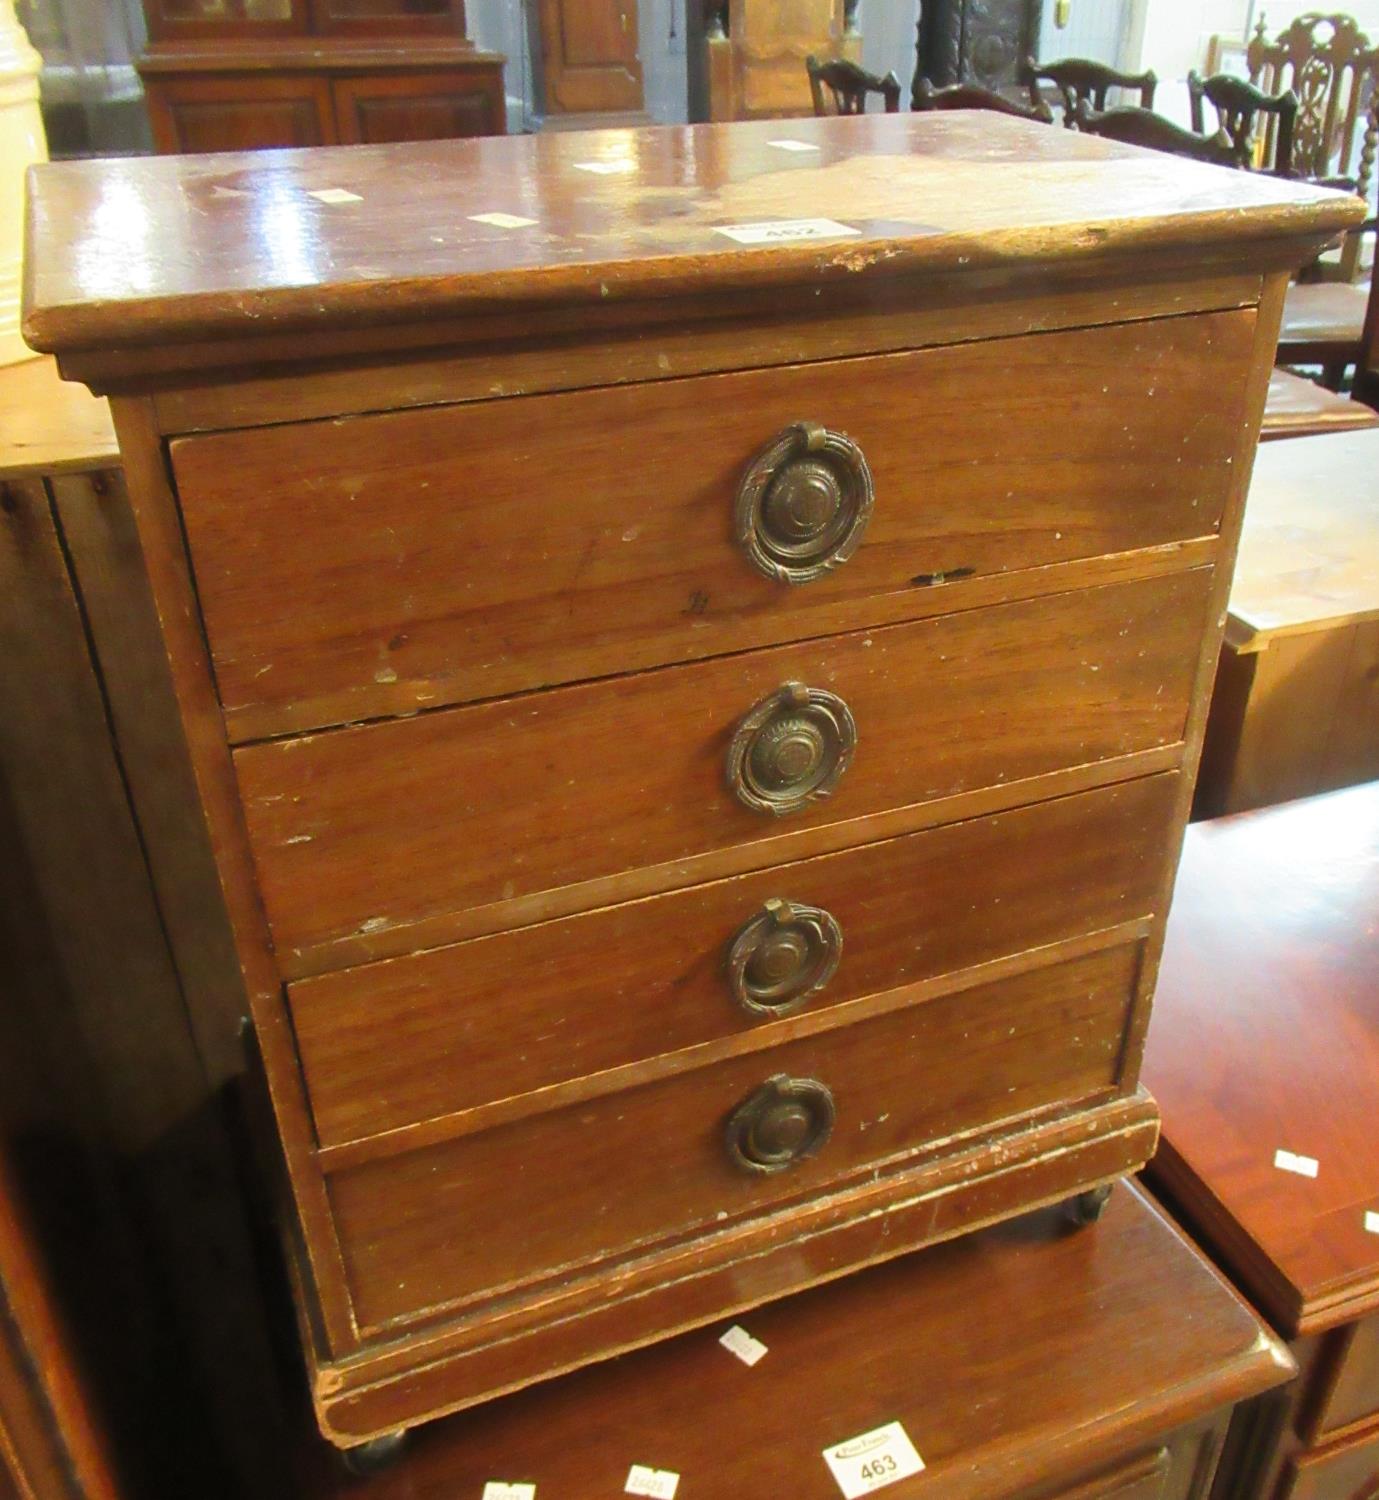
(376, 1454)
(1087, 1207)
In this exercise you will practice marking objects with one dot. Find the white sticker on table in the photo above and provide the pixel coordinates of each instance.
(606, 168)
(496, 1489)
(868, 1463)
(776, 231)
(738, 1341)
(1289, 1161)
(335, 195)
(658, 1483)
(502, 221)
(1372, 1221)
(793, 145)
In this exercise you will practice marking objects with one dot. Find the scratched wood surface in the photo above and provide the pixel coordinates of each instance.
(166, 249)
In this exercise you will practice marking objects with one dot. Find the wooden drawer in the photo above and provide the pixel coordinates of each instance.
(1142, 1477)
(371, 839)
(563, 1190)
(376, 565)
(1349, 1389)
(1347, 1470)
(391, 1044)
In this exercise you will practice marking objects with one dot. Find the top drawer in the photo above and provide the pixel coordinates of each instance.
(371, 566)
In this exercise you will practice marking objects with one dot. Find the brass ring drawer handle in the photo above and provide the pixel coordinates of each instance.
(791, 749)
(779, 1124)
(783, 956)
(803, 503)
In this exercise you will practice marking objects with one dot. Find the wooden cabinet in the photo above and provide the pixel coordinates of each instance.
(636, 768)
(586, 56)
(1265, 1040)
(1024, 1362)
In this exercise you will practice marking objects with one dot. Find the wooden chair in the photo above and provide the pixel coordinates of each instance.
(1298, 407)
(1081, 82)
(1334, 324)
(1240, 107)
(1333, 69)
(844, 86)
(1142, 127)
(974, 96)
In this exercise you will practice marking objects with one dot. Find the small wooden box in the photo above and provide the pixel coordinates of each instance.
(694, 656)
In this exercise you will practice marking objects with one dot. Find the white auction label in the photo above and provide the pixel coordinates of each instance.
(793, 145)
(738, 1341)
(502, 221)
(1372, 1221)
(658, 1483)
(874, 1460)
(335, 195)
(605, 168)
(495, 1489)
(776, 230)
(1289, 1161)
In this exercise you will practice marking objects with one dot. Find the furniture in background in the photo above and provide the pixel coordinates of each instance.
(118, 1050)
(839, 87)
(747, 57)
(1333, 70)
(1334, 324)
(740, 604)
(1025, 1360)
(1264, 1056)
(1142, 127)
(1081, 84)
(1296, 700)
(1298, 407)
(973, 96)
(21, 145)
(248, 74)
(1240, 107)
(586, 63)
(977, 41)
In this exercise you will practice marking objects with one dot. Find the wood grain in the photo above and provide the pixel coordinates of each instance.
(925, 192)
(356, 830)
(385, 1045)
(442, 555)
(910, 1082)
(49, 425)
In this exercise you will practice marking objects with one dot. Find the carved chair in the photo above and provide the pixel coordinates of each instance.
(1330, 64)
(1080, 81)
(1240, 107)
(840, 87)
(974, 96)
(1142, 127)
(1334, 324)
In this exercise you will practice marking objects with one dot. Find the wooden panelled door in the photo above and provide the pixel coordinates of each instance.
(589, 61)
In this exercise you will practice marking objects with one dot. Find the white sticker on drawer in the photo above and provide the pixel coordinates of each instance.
(495, 1489)
(738, 1341)
(1288, 1161)
(868, 1463)
(1372, 1221)
(335, 195)
(777, 230)
(660, 1484)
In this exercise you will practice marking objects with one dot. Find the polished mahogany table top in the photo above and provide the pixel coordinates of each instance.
(1025, 1352)
(1265, 1038)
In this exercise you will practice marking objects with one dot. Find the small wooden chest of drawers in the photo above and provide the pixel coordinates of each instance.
(693, 651)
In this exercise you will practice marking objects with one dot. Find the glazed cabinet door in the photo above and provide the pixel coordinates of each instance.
(589, 56)
(388, 17)
(174, 20)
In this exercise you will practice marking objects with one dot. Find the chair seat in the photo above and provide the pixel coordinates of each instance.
(1296, 407)
(1323, 312)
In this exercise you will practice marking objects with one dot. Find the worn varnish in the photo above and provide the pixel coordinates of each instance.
(586, 626)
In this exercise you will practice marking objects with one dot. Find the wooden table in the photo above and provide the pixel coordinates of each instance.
(1029, 1359)
(1265, 1038)
(1298, 407)
(1296, 704)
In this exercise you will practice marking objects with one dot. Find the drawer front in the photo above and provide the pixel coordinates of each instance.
(1347, 1471)
(390, 1044)
(365, 833)
(371, 566)
(597, 1180)
(1352, 1384)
